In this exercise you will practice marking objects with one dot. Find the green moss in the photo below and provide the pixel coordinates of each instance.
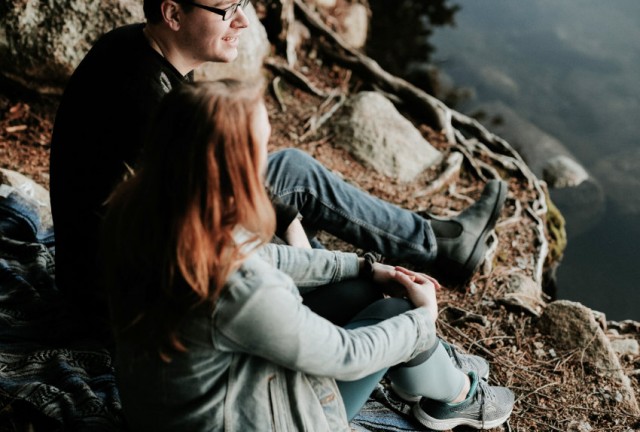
(556, 232)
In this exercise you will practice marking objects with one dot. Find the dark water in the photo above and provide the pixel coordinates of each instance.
(570, 68)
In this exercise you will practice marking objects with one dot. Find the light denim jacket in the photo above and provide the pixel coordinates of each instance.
(262, 361)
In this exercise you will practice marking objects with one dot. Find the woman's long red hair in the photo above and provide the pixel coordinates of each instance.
(171, 234)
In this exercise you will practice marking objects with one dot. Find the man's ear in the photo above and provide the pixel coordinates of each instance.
(171, 14)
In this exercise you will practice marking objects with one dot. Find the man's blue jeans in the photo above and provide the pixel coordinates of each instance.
(328, 203)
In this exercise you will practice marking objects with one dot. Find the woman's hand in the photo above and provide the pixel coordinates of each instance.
(420, 288)
(384, 276)
(401, 282)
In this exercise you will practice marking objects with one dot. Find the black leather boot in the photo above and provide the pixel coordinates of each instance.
(462, 240)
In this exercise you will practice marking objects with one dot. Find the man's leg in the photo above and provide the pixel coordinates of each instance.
(328, 203)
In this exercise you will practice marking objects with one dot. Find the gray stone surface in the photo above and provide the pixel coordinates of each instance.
(573, 326)
(541, 151)
(522, 292)
(620, 177)
(626, 346)
(356, 25)
(561, 171)
(577, 193)
(43, 42)
(371, 128)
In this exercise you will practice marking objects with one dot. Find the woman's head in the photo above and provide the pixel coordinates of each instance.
(171, 233)
(209, 141)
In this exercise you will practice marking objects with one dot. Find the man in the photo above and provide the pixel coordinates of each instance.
(102, 120)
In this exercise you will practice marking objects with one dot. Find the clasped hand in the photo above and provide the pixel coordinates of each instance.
(398, 281)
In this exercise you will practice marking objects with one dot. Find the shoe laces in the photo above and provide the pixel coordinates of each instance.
(453, 353)
(484, 392)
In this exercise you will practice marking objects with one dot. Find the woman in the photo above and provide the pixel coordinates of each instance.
(211, 331)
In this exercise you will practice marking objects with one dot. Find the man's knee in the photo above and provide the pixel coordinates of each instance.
(291, 161)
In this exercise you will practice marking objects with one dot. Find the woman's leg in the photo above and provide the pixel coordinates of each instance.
(355, 393)
(341, 301)
(358, 303)
(431, 374)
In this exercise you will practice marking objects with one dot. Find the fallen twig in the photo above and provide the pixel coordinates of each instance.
(293, 76)
(453, 164)
(314, 123)
(277, 93)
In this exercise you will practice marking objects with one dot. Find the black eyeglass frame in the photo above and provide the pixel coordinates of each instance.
(226, 14)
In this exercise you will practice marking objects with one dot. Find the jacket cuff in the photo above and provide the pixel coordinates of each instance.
(348, 265)
(426, 330)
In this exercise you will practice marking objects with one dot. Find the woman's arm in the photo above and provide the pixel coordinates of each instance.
(296, 236)
(272, 323)
(311, 267)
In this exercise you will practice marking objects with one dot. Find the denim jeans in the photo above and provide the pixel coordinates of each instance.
(19, 220)
(328, 203)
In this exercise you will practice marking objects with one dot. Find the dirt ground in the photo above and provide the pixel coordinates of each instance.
(554, 390)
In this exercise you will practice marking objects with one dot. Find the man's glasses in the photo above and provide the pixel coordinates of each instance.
(225, 13)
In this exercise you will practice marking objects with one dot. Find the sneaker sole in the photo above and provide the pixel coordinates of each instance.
(443, 425)
(405, 397)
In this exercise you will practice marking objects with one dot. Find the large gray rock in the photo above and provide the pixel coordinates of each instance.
(578, 195)
(547, 157)
(371, 128)
(620, 177)
(522, 292)
(562, 171)
(42, 42)
(356, 25)
(582, 206)
(573, 326)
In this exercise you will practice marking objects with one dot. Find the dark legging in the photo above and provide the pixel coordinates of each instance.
(359, 303)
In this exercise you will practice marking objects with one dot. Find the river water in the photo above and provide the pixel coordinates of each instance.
(570, 68)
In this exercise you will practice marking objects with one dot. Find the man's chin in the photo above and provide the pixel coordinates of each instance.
(227, 57)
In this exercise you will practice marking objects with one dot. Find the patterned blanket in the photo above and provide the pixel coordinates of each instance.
(50, 377)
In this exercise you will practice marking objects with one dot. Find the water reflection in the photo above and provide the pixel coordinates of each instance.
(569, 68)
(400, 35)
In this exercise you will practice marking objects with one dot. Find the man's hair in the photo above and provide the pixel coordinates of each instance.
(153, 13)
(152, 10)
(171, 232)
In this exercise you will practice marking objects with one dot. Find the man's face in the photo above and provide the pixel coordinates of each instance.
(205, 37)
